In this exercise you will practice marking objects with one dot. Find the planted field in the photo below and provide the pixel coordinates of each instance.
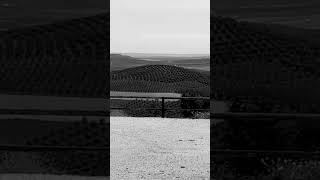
(251, 61)
(21, 13)
(159, 73)
(157, 87)
(59, 59)
(159, 78)
(138, 95)
(121, 61)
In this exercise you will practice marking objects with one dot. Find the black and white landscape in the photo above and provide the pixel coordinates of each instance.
(159, 50)
(145, 145)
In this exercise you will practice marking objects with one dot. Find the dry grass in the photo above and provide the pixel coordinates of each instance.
(47, 177)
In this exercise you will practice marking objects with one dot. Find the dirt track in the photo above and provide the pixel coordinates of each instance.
(47, 177)
(155, 148)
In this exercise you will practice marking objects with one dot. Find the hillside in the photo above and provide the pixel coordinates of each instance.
(66, 58)
(22, 13)
(298, 13)
(57, 4)
(167, 57)
(251, 62)
(311, 36)
(158, 78)
(121, 61)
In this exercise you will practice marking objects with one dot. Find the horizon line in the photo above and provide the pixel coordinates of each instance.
(161, 53)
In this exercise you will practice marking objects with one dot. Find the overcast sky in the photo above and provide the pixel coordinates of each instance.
(160, 26)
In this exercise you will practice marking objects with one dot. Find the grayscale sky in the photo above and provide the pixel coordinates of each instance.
(160, 26)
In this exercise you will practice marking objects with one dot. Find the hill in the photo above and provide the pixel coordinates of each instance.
(160, 56)
(311, 36)
(158, 78)
(256, 62)
(121, 61)
(22, 13)
(199, 64)
(66, 58)
(58, 4)
(296, 13)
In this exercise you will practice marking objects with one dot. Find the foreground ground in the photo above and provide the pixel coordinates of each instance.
(47, 177)
(156, 148)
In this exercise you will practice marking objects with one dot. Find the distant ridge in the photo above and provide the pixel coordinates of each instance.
(26, 13)
(121, 61)
(311, 36)
(143, 55)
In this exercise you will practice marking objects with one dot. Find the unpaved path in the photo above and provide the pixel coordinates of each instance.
(156, 148)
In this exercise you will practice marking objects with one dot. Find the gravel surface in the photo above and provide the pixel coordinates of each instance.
(47, 177)
(156, 148)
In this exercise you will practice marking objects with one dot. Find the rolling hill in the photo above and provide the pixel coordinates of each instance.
(257, 62)
(158, 78)
(122, 61)
(311, 36)
(168, 57)
(65, 58)
(22, 13)
(296, 13)
(119, 62)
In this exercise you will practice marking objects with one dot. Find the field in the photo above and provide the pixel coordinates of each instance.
(121, 61)
(143, 94)
(294, 12)
(159, 79)
(22, 13)
(280, 67)
(156, 148)
(141, 77)
(57, 58)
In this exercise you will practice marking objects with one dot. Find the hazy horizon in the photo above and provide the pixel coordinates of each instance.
(176, 54)
(160, 27)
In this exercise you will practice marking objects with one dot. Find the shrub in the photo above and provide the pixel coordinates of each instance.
(193, 104)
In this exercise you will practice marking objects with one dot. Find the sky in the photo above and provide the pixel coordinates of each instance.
(160, 26)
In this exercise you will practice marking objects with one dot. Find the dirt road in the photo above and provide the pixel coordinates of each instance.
(155, 148)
